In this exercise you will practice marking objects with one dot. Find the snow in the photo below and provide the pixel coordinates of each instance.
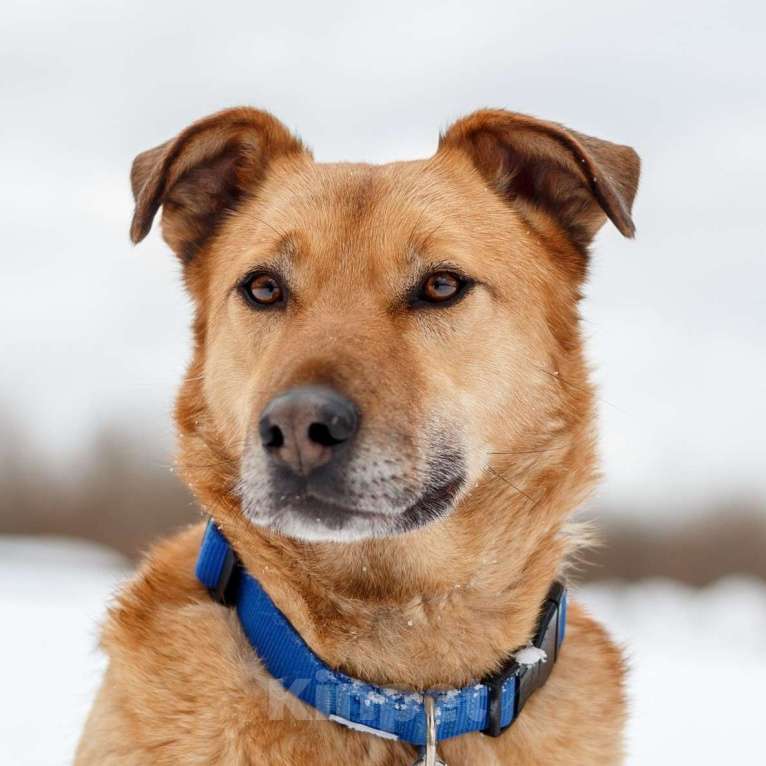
(697, 658)
(52, 597)
(530, 655)
(698, 668)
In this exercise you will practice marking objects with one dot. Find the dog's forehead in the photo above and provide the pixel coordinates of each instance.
(322, 217)
(351, 198)
(354, 183)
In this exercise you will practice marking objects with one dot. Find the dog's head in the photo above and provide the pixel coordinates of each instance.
(370, 340)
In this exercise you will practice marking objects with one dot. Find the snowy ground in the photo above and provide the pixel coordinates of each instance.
(698, 657)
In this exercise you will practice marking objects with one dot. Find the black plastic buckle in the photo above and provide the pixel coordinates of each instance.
(529, 678)
(494, 684)
(225, 590)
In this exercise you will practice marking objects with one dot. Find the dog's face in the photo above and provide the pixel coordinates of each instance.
(369, 337)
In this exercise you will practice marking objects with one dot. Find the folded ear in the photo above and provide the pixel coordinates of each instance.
(577, 179)
(203, 173)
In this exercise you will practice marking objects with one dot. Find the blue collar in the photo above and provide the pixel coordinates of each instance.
(489, 707)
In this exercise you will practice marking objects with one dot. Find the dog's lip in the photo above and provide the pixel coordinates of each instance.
(311, 498)
(309, 502)
(433, 503)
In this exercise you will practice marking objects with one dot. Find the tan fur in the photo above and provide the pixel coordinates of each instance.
(502, 370)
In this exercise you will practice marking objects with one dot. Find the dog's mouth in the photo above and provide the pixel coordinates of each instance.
(430, 504)
(355, 497)
(307, 514)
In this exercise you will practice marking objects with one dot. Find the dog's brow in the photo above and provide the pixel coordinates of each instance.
(288, 244)
(415, 265)
(282, 235)
(283, 254)
(419, 261)
(287, 249)
(414, 258)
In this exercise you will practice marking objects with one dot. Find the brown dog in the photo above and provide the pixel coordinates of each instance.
(389, 416)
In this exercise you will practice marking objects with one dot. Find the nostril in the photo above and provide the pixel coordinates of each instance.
(306, 427)
(319, 433)
(273, 437)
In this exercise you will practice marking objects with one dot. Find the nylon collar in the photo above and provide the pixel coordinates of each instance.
(489, 707)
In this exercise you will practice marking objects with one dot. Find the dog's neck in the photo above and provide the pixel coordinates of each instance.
(441, 606)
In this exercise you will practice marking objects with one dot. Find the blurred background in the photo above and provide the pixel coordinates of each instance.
(94, 334)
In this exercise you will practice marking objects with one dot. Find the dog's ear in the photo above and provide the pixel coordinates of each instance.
(203, 173)
(577, 179)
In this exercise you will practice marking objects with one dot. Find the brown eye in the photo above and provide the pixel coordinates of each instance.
(263, 290)
(441, 286)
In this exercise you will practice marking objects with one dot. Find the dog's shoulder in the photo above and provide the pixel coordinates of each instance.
(179, 662)
(163, 615)
(163, 585)
(577, 717)
(175, 656)
(583, 702)
(170, 650)
(592, 667)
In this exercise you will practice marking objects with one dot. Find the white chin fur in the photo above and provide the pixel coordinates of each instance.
(296, 525)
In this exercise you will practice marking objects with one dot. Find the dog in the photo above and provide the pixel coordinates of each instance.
(388, 417)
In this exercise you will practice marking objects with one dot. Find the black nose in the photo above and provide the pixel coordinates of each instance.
(306, 426)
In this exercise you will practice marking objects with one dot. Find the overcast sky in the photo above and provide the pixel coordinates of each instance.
(94, 332)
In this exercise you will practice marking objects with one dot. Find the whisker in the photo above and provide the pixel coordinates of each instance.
(530, 451)
(535, 503)
(509, 483)
(430, 234)
(564, 382)
(206, 466)
(276, 231)
(415, 226)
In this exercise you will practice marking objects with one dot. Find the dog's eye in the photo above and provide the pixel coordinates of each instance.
(262, 290)
(441, 286)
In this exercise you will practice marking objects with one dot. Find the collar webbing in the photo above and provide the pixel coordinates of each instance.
(489, 707)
